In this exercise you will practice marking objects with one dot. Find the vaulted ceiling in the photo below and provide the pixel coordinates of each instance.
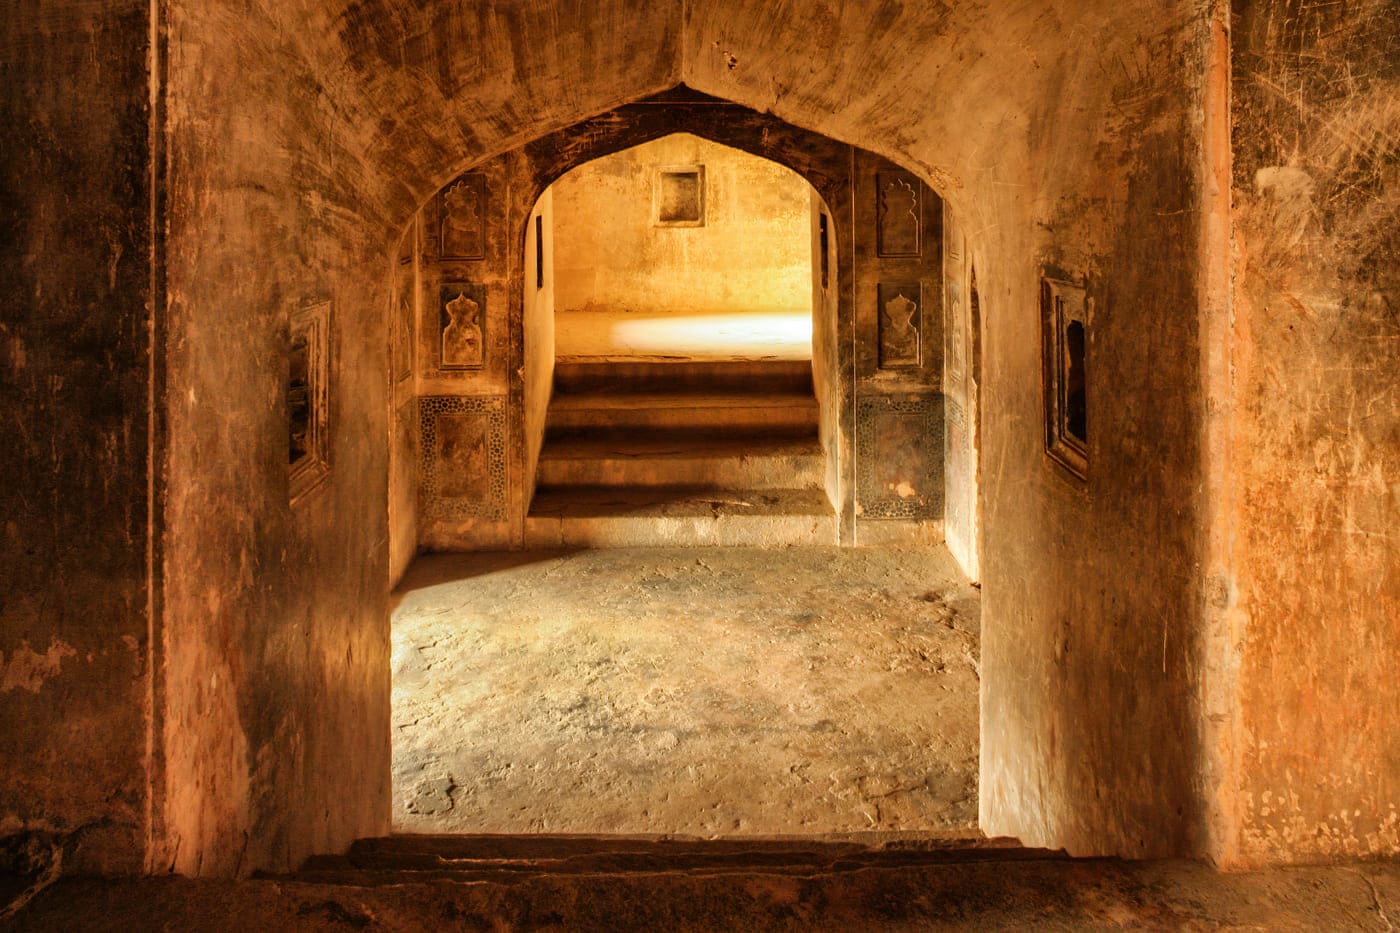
(421, 88)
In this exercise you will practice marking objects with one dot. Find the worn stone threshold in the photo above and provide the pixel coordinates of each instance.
(405, 858)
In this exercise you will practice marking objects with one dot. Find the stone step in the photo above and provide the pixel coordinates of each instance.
(509, 859)
(787, 412)
(609, 516)
(753, 377)
(646, 458)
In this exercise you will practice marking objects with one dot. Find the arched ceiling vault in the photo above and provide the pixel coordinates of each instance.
(954, 90)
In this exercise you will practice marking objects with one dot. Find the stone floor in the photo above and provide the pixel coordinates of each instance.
(714, 692)
(629, 335)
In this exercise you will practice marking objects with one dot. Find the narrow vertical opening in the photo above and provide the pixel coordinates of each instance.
(1076, 413)
(539, 251)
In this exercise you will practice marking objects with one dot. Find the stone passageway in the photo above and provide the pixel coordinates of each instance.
(713, 692)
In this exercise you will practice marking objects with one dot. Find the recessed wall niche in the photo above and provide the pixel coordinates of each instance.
(901, 325)
(1064, 316)
(462, 218)
(463, 472)
(462, 319)
(896, 480)
(307, 399)
(678, 196)
(899, 212)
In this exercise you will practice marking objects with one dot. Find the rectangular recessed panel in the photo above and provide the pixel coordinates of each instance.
(1064, 318)
(899, 457)
(463, 466)
(679, 196)
(308, 399)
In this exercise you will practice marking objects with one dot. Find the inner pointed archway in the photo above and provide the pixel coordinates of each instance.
(679, 283)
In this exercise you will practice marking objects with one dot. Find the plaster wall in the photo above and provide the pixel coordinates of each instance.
(276, 643)
(471, 469)
(1091, 692)
(960, 400)
(405, 300)
(538, 331)
(1316, 187)
(75, 371)
(749, 255)
(826, 355)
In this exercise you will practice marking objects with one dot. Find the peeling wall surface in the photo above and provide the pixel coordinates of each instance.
(1091, 586)
(74, 377)
(1070, 139)
(748, 253)
(1316, 111)
(276, 642)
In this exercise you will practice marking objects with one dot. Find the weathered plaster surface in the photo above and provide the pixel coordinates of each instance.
(74, 371)
(276, 639)
(751, 253)
(1316, 111)
(27, 669)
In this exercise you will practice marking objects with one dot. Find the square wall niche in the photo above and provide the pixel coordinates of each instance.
(1064, 333)
(678, 196)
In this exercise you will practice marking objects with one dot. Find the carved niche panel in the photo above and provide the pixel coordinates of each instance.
(462, 218)
(462, 326)
(463, 465)
(901, 325)
(899, 215)
(899, 466)
(1064, 319)
(308, 398)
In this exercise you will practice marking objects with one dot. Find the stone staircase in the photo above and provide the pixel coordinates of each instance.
(681, 454)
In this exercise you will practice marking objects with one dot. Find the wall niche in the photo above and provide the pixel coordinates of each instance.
(308, 399)
(1064, 323)
(462, 338)
(678, 196)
